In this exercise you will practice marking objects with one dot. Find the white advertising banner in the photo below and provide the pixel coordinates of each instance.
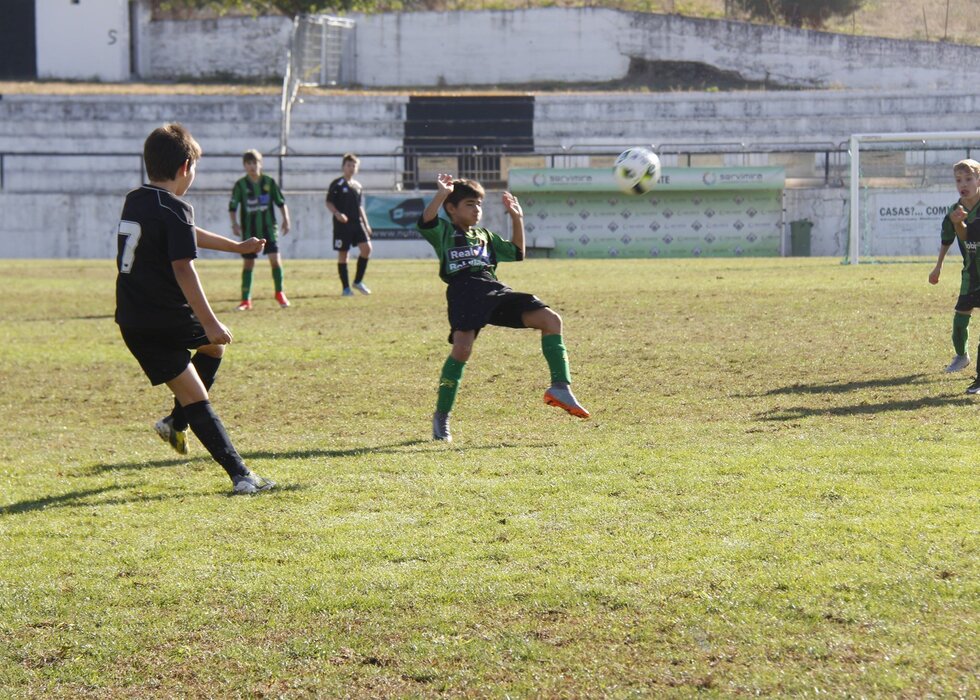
(907, 223)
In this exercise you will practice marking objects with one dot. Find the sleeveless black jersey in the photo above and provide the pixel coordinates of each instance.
(156, 228)
(346, 196)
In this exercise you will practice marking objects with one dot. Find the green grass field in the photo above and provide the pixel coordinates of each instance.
(777, 494)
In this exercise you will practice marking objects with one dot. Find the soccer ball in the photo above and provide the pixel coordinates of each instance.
(637, 170)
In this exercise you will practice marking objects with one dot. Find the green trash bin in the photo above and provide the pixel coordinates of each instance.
(799, 237)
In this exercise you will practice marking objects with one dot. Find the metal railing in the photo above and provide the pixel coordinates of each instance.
(811, 164)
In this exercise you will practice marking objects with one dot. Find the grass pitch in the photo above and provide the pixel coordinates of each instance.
(777, 493)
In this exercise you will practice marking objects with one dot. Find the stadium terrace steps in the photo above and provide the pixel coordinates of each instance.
(374, 126)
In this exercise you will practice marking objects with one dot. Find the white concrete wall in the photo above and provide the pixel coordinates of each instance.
(83, 225)
(233, 47)
(501, 47)
(83, 40)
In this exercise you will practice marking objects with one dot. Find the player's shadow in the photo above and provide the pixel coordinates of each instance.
(845, 387)
(74, 499)
(389, 449)
(797, 412)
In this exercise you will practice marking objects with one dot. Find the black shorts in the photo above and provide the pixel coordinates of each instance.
(164, 353)
(345, 240)
(968, 301)
(475, 302)
(271, 246)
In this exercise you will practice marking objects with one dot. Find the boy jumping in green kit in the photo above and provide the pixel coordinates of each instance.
(967, 175)
(256, 194)
(468, 258)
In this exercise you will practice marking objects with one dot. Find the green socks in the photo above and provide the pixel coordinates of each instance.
(452, 373)
(554, 351)
(246, 284)
(277, 278)
(552, 346)
(961, 332)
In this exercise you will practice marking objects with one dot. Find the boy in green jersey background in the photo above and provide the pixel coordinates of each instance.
(967, 176)
(468, 258)
(255, 194)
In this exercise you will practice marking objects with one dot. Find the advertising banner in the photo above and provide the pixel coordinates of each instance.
(601, 179)
(697, 212)
(393, 216)
(907, 223)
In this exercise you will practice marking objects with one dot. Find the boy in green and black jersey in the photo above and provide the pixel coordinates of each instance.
(967, 176)
(255, 194)
(468, 258)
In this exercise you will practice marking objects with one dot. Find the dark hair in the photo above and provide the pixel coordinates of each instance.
(350, 157)
(464, 189)
(168, 148)
(252, 156)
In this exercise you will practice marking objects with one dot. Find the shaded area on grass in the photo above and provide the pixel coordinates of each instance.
(796, 412)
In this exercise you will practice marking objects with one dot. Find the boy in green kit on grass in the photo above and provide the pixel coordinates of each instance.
(967, 176)
(255, 194)
(468, 258)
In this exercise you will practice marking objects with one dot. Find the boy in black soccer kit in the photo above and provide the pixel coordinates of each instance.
(256, 194)
(967, 176)
(468, 258)
(161, 308)
(350, 224)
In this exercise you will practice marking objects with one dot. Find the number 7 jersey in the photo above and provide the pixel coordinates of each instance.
(156, 227)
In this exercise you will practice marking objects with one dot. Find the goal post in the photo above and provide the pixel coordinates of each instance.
(909, 162)
(320, 49)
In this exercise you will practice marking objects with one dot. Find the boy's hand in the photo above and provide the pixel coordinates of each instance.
(444, 183)
(341, 217)
(218, 333)
(512, 206)
(237, 230)
(958, 215)
(250, 246)
(934, 275)
(284, 229)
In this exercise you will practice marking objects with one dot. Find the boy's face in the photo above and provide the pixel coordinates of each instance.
(967, 184)
(185, 176)
(350, 169)
(253, 168)
(466, 213)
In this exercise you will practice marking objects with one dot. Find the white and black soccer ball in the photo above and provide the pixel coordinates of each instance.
(637, 170)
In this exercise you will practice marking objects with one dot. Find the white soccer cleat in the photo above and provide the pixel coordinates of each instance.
(251, 484)
(959, 362)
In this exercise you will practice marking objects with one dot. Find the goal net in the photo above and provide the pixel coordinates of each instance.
(320, 49)
(901, 186)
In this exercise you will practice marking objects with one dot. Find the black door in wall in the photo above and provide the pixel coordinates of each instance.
(469, 134)
(18, 50)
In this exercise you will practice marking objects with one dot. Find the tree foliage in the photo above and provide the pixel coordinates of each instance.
(799, 13)
(290, 8)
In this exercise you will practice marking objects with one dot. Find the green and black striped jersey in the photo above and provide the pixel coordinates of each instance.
(257, 201)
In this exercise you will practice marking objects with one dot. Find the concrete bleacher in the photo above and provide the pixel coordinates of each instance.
(111, 130)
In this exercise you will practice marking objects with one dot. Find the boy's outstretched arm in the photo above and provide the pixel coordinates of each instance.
(513, 208)
(215, 241)
(444, 185)
(190, 285)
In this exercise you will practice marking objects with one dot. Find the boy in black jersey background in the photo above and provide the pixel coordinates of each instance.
(161, 307)
(345, 201)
